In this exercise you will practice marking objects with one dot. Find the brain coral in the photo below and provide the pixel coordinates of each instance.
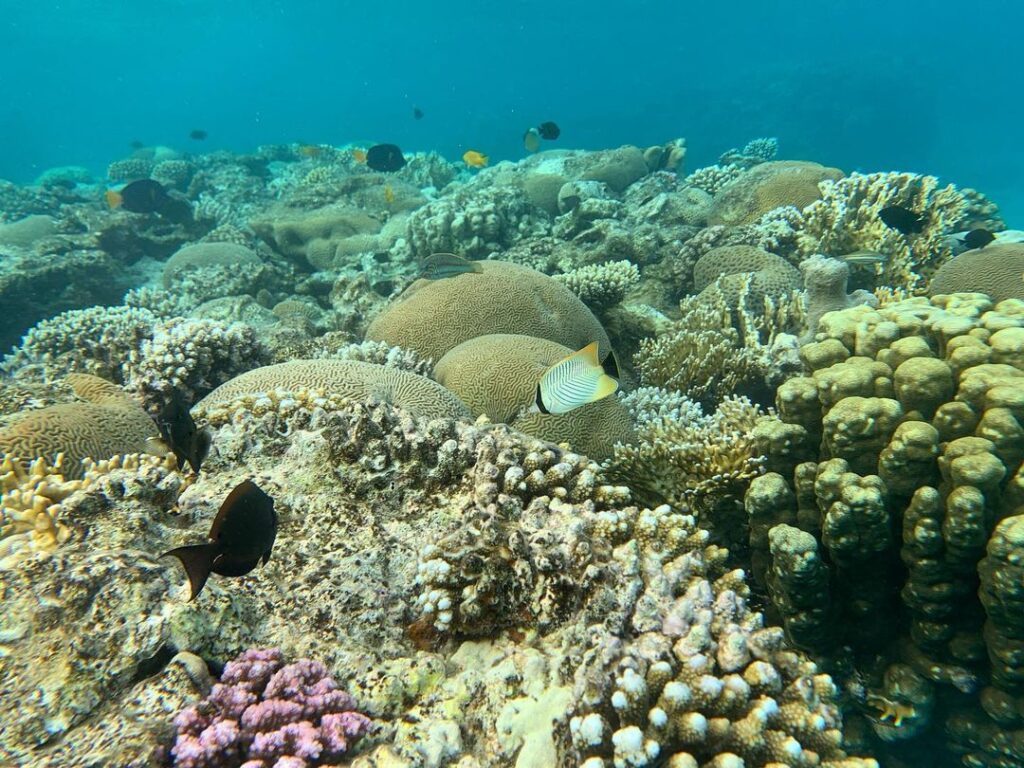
(768, 186)
(108, 423)
(497, 375)
(434, 316)
(997, 269)
(349, 378)
(203, 255)
(773, 275)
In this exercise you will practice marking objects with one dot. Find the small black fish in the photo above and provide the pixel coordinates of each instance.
(438, 266)
(902, 219)
(180, 432)
(384, 157)
(549, 131)
(242, 535)
(143, 196)
(977, 238)
(417, 113)
(198, 134)
(136, 144)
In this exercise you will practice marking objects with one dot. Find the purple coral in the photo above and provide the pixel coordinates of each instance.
(267, 714)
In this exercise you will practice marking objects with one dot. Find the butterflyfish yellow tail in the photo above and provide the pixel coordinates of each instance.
(573, 382)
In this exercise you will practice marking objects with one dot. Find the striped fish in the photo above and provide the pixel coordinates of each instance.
(573, 382)
(438, 266)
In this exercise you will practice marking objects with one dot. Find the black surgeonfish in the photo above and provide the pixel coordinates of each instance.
(242, 535)
(902, 219)
(181, 434)
(977, 238)
(149, 196)
(549, 131)
(385, 157)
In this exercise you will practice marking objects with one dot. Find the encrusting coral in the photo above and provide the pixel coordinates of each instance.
(897, 454)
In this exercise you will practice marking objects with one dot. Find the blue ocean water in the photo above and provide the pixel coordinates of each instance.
(860, 84)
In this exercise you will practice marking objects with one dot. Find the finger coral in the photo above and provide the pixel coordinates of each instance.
(891, 462)
(266, 713)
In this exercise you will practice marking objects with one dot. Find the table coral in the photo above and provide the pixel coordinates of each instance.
(912, 423)
(264, 712)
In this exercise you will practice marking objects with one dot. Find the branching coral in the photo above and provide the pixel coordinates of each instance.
(264, 713)
(689, 460)
(601, 286)
(846, 219)
(714, 350)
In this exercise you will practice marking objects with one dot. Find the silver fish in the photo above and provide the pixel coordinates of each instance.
(864, 257)
(438, 266)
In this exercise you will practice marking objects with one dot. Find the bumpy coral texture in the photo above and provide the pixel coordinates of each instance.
(730, 269)
(107, 422)
(601, 286)
(209, 270)
(768, 186)
(433, 316)
(996, 270)
(266, 713)
(498, 374)
(474, 222)
(348, 378)
(898, 452)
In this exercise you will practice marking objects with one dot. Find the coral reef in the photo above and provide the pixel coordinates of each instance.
(497, 375)
(601, 286)
(897, 454)
(846, 220)
(264, 712)
(825, 283)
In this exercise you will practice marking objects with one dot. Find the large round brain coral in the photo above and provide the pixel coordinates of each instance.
(996, 270)
(772, 277)
(107, 423)
(348, 378)
(768, 186)
(497, 375)
(434, 316)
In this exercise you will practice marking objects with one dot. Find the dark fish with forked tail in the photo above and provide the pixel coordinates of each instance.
(181, 434)
(242, 535)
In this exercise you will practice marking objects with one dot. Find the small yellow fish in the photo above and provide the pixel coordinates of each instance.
(359, 155)
(113, 198)
(310, 150)
(474, 159)
(577, 380)
(389, 194)
(531, 140)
